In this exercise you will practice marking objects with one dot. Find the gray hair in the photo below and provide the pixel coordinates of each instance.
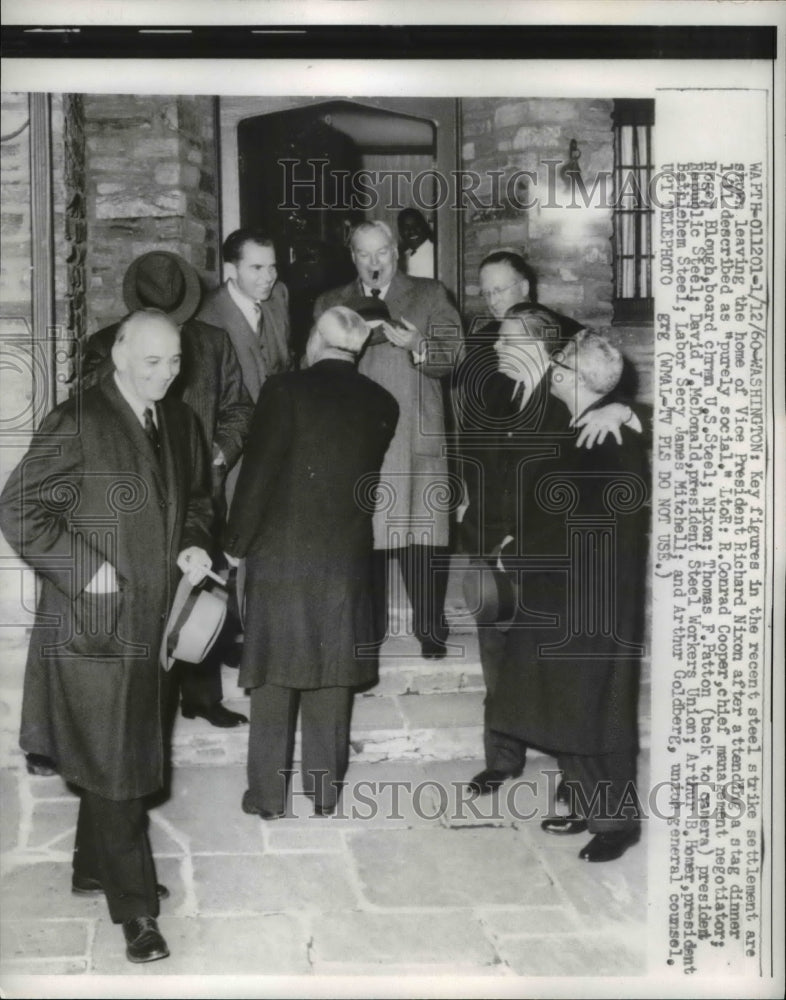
(369, 227)
(598, 361)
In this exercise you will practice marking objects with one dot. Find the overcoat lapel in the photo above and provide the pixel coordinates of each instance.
(134, 431)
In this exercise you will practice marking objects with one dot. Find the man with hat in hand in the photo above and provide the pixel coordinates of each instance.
(408, 356)
(211, 383)
(109, 501)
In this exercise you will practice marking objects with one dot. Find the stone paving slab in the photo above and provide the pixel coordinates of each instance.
(438, 867)
(448, 939)
(574, 955)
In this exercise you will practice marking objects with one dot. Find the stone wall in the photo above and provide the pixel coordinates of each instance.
(568, 246)
(152, 185)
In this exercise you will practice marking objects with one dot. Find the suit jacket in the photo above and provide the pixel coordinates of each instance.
(414, 477)
(210, 382)
(302, 517)
(257, 360)
(91, 489)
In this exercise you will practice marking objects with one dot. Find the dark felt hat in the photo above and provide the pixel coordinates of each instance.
(162, 280)
(490, 594)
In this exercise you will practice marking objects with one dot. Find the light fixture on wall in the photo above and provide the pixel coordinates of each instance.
(570, 172)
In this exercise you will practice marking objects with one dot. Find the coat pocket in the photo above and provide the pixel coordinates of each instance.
(94, 626)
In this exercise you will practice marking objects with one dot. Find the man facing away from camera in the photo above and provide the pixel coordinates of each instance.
(301, 517)
(109, 501)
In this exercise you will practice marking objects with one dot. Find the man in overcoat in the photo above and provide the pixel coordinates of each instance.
(109, 501)
(510, 419)
(211, 383)
(408, 358)
(569, 679)
(301, 517)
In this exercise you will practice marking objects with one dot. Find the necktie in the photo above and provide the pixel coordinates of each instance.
(260, 319)
(375, 292)
(152, 431)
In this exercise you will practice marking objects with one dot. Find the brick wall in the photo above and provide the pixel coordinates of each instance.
(151, 185)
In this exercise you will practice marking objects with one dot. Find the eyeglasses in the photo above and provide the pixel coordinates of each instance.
(491, 293)
(559, 364)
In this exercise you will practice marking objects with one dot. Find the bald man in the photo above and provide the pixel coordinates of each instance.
(302, 518)
(111, 498)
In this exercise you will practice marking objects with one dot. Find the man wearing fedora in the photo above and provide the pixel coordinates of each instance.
(301, 517)
(211, 383)
(109, 501)
(408, 357)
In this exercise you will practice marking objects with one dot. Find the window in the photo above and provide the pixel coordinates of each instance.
(632, 213)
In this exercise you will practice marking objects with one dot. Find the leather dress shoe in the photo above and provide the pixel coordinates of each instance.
(609, 846)
(325, 810)
(433, 649)
(144, 941)
(216, 715)
(83, 885)
(488, 781)
(564, 824)
(38, 763)
(253, 810)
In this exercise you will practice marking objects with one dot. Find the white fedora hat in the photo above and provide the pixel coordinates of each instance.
(196, 618)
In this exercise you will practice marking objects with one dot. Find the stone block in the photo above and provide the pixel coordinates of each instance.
(9, 815)
(200, 795)
(44, 887)
(167, 173)
(447, 873)
(438, 711)
(156, 147)
(54, 824)
(539, 137)
(376, 713)
(272, 883)
(40, 938)
(575, 955)
(449, 940)
(530, 920)
(164, 203)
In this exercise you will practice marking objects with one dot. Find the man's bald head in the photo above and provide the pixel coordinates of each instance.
(146, 354)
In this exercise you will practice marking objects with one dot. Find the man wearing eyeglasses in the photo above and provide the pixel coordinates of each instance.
(505, 423)
(568, 678)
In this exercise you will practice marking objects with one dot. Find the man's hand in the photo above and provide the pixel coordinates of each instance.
(194, 563)
(404, 335)
(104, 581)
(597, 424)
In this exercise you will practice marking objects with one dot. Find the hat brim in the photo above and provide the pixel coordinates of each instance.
(194, 624)
(192, 293)
(489, 593)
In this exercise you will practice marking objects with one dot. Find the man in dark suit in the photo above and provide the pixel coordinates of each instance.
(568, 681)
(109, 501)
(253, 307)
(301, 517)
(210, 382)
(506, 422)
(408, 357)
